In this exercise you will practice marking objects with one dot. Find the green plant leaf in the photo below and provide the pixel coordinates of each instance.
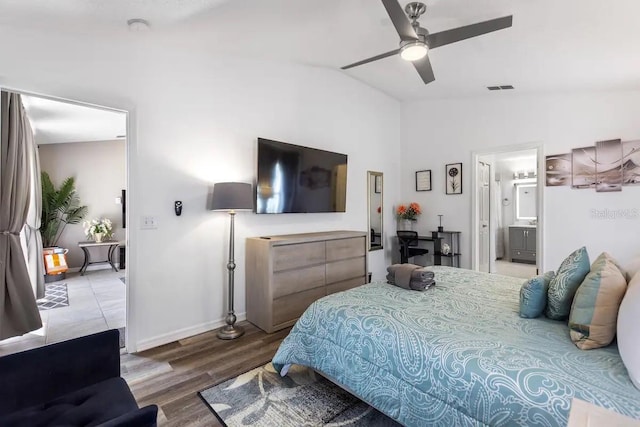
(59, 208)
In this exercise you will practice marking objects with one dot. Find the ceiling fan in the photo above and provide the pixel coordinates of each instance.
(416, 41)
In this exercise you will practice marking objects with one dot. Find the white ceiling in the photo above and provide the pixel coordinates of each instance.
(56, 122)
(554, 45)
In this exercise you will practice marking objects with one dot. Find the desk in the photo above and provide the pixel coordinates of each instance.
(111, 244)
(449, 237)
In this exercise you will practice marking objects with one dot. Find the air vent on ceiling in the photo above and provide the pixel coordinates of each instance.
(502, 87)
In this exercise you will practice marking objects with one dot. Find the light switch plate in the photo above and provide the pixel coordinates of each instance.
(148, 222)
(118, 200)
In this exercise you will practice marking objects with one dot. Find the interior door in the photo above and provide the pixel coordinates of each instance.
(484, 179)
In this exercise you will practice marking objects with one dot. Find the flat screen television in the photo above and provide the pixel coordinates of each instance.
(296, 179)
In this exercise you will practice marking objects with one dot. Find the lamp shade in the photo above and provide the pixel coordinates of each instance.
(232, 196)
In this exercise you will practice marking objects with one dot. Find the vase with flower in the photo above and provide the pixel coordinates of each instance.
(98, 229)
(407, 215)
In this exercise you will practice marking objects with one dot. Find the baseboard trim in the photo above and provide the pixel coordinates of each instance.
(183, 333)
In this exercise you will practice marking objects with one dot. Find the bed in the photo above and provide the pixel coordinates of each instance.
(455, 355)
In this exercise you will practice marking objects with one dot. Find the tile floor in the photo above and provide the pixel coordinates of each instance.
(515, 269)
(96, 303)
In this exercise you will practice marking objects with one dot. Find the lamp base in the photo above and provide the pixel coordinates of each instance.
(230, 332)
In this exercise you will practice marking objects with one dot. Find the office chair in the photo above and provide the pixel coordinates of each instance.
(408, 241)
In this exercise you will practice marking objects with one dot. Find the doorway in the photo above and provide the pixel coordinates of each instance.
(507, 205)
(484, 215)
(89, 144)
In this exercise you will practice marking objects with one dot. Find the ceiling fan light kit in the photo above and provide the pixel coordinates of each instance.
(413, 50)
(415, 41)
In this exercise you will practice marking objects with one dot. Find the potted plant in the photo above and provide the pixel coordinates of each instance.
(60, 207)
(407, 215)
(98, 229)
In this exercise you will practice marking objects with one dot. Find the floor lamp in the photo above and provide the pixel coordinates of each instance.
(231, 197)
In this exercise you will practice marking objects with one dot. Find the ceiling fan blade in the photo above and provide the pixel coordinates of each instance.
(373, 58)
(462, 33)
(400, 20)
(423, 67)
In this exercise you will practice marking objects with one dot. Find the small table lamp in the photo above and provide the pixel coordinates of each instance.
(231, 197)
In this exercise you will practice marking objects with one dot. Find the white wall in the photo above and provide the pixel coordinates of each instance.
(99, 171)
(447, 131)
(195, 121)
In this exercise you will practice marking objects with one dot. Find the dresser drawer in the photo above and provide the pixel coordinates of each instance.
(345, 285)
(301, 279)
(346, 269)
(345, 248)
(287, 257)
(523, 255)
(290, 307)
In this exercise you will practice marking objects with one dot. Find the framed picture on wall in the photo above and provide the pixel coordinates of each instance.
(453, 178)
(378, 186)
(609, 166)
(423, 180)
(583, 167)
(631, 162)
(558, 169)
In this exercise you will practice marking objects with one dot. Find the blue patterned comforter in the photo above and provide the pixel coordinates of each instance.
(455, 355)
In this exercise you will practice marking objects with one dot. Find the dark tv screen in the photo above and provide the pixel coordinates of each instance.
(296, 179)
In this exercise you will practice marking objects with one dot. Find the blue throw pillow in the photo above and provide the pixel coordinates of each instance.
(563, 287)
(533, 295)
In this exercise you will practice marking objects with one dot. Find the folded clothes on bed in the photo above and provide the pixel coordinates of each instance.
(418, 272)
(416, 285)
(421, 274)
(410, 276)
(422, 286)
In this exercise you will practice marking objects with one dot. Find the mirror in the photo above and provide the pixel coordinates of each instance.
(375, 209)
(526, 201)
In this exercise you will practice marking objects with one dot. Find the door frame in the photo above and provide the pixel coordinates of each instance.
(130, 232)
(475, 220)
(477, 210)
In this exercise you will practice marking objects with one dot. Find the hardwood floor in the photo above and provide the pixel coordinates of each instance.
(170, 376)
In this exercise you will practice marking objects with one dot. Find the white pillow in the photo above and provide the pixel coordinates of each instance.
(632, 268)
(628, 331)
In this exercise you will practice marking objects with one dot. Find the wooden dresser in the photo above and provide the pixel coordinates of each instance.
(285, 274)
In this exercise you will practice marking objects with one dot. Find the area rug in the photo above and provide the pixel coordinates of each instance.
(261, 397)
(55, 295)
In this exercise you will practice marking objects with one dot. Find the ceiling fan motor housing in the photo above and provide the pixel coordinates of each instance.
(422, 33)
(415, 10)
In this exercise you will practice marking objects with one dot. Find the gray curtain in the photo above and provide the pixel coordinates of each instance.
(31, 231)
(18, 308)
